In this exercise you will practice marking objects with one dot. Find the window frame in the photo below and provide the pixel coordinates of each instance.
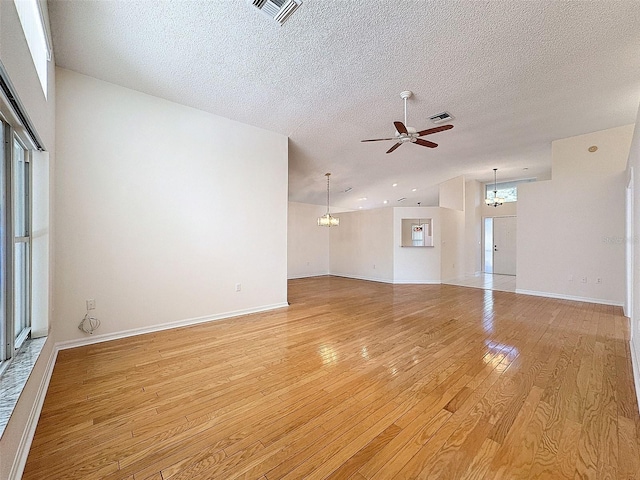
(489, 188)
(35, 33)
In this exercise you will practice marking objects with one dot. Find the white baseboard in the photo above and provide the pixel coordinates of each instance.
(309, 275)
(416, 282)
(559, 296)
(385, 280)
(359, 277)
(636, 371)
(91, 339)
(24, 446)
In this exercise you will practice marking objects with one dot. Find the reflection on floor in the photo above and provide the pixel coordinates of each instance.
(487, 281)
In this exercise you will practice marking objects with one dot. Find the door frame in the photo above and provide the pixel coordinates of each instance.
(482, 246)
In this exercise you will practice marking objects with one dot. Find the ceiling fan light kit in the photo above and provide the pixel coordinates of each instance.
(405, 134)
(496, 201)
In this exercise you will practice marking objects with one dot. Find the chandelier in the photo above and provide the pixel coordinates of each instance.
(327, 220)
(496, 201)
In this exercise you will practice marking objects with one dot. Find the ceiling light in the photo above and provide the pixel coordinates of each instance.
(414, 189)
(593, 148)
(362, 198)
(360, 207)
(385, 202)
(496, 201)
(394, 185)
(327, 220)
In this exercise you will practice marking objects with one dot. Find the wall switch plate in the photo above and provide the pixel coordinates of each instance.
(598, 280)
(238, 287)
(91, 304)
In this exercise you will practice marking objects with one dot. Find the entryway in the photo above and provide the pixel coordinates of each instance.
(500, 245)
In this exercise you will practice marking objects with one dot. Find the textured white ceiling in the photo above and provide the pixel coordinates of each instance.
(516, 75)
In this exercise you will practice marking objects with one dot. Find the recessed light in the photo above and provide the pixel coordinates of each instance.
(360, 207)
(362, 198)
(414, 189)
(394, 185)
(385, 202)
(525, 169)
(593, 148)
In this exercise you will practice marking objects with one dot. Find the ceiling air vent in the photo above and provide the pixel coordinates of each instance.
(441, 117)
(279, 10)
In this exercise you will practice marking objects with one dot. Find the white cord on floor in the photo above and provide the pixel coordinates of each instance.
(89, 324)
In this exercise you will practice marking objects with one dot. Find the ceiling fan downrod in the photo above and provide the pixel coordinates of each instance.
(404, 95)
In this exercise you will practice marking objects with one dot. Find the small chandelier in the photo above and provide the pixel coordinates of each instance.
(496, 201)
(327, 220)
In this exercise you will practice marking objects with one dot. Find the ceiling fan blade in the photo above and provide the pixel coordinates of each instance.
(400, 127)
(426, 143)
(394, 147)
(377, 139)
(429, 131)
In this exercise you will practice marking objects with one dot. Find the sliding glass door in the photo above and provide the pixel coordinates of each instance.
(22, 243)
(15, 243)
(5, 291)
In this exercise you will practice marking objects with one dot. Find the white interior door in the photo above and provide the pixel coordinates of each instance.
(504, 245)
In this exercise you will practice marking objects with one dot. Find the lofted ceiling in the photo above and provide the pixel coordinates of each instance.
(516, 75)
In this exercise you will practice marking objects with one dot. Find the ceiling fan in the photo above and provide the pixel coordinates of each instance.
(406, 134)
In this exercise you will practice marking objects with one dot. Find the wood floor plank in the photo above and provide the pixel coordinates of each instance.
(382, 382)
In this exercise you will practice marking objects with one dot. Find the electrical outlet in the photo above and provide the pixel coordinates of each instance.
(598, 280)
(238, 287)
(583, 279)
(91, 304)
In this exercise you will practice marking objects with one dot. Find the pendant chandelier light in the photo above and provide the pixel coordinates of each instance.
(496, 201)
(327, 220)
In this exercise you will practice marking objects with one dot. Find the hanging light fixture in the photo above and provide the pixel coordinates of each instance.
(496, 201)
(327, 220)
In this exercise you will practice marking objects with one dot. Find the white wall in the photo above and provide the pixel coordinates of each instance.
(453, 242)
(417, 264)
(40, 245)
(568, 226)
(16, 59)
(474, 199)
(571, 155)
(307, 243)
(452, 194)
(634, 239)
(367, 245)
(362, 246)
(161, 210)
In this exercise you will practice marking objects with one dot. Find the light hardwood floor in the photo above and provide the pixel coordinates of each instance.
(356, 380)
